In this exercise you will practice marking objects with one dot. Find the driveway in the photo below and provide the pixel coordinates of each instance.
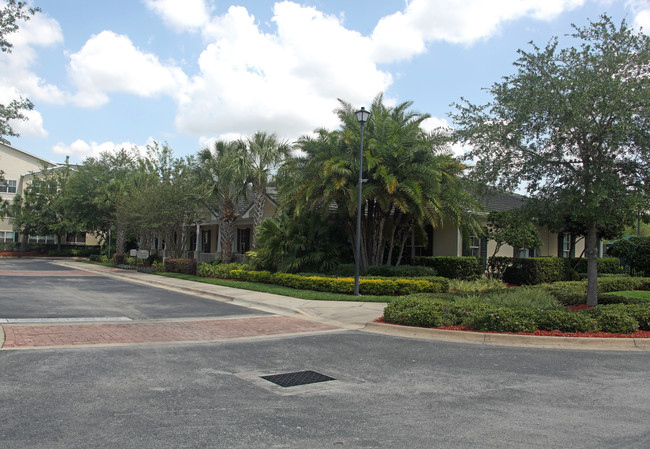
(37, 288)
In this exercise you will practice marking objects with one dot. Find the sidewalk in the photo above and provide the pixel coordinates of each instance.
(356, 315)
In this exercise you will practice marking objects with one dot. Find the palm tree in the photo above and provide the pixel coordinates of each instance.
(222, 169)
(412, 181)
(264, 153)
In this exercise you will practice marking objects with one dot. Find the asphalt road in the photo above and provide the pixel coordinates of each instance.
(62, 292)
(389, 392)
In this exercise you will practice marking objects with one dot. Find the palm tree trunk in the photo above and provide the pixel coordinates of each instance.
(259, 197)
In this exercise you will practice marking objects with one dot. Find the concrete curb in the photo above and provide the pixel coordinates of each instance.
(334, 315)
(527, 341)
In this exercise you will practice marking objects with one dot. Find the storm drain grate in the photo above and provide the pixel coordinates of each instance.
(297, 378)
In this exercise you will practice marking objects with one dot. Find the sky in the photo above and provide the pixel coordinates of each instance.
(105, 75)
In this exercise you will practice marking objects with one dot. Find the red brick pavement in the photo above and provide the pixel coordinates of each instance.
(44, 335)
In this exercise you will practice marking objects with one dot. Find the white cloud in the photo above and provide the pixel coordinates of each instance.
(406, 33)
(109, 62)
(16, 70)
(32, 127)
(287, 82)
(641, 11)
(442, 125)
(181, 15)
(80, 149)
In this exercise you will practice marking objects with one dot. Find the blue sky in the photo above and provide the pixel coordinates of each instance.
(106, 75)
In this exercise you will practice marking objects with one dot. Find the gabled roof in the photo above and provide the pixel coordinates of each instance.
(44, 161)
(502, 201)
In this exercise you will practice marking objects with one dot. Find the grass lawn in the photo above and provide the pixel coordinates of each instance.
(279, 290)
(632, 294)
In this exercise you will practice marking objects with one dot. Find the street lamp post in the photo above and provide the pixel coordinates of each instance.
(362, 117)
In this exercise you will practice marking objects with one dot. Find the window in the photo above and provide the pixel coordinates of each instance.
(475, 246)
(7, 236)
(76, 239)
(566, 245)
(40, 239)
(10, 187)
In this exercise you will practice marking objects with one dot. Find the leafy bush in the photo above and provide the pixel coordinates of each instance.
(119, 259)
(497, 266)
(400, 271)
(422, 312)
(478, 285)
(641, 255)
(535, 270)
(516, 298)
(606, 265)
(566, 321)
(467, 268)
(219, 270)
(613, 318)
(616, 284)
(346, 285)
(344, 269)
(502, 319)
(95, 257)
(641, 313)
(183, 266)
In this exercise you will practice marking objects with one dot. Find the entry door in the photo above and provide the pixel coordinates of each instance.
(206, 240)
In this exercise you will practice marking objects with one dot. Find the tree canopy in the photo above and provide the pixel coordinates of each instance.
(572, 125)
(10, 16)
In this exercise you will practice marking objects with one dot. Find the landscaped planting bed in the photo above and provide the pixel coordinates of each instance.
(533, 310)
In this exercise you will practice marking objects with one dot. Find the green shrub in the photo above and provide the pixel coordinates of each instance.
(467, 268)
(605, 265)
(119, 259)
(95, 257)
(422, 312)
(502, 319)
(219, 270)
(182, 266)
(517, 298)
(613, 318)
(566, 321)
(344, 269)
(568, 293)
(401, 271)
(621, 283)
(641, 313)
(536, 270)
(476, 286)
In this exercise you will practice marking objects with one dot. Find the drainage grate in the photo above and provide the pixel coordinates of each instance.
(297, 378)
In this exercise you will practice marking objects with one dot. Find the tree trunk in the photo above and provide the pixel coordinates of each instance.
(592, 264)
(259, 199)
(401, 250)
(227, 230)
(120, 241)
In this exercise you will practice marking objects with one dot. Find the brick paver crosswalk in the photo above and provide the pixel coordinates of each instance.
(49, 335)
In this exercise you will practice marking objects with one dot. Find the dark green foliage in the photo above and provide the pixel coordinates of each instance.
(344, 269)
(400, 271)
(568, 293)
(566, 321)
(641, 313)
(306, 242)
(497, 266)
(182, 266)
(466, 268)
(606, 265)
(535, 270)
(503, 320)
(219, 270)
(437, 312)
(423, 313)
(614, 318)
(641, 256)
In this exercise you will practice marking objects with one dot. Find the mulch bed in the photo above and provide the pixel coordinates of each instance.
(639, 334)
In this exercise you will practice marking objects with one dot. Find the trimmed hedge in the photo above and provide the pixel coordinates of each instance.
(466, 268)
(621, 319)
(219, 270)
(539, 270)
(182, 266)
(401, 271)
(535, 270)
(378, 287)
